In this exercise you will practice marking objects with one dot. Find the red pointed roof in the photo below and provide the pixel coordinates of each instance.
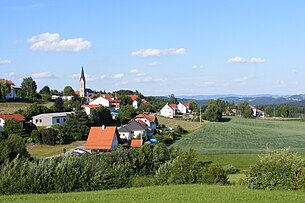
(149, 117)
(173, 106)
(133, 97)
(92, 106)
(186, 105)
(11, 116)
(99, 138)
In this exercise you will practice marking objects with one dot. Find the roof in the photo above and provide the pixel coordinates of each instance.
(133, 97)
(11, 116)
(149, 117)
(91, 106)
(133, 126)
(8, 81)
(136, 143)
(99, 138)
(259, 111)
(186, 105)
(144, 101)
(173, 106)
(59, 114)
(82, 75)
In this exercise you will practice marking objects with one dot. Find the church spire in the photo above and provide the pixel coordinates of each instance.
(82, 75)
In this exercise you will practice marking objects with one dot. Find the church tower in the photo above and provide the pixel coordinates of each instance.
(82, 81)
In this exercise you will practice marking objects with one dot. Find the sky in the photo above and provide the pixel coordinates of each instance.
(156, 47)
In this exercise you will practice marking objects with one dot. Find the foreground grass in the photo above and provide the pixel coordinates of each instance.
(178, 193)
(12, 107)
(245, 136)
(42, 151)
(189, 126)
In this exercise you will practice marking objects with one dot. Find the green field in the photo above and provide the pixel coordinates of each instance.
(245, 136)
(12, 107)
(42, 150)
(173, 123)
(178, 193)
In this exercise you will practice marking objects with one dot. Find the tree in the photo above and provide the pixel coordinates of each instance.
(101, 116)
(244, 110)
(193, 105)
(28, 88)
(11, 126)
(59, 104)
(45, 90)
(125, 100)
(49, 136)
(127, 112)
(4, 88)
(172, 99)
(33, 110)
(68, 91)
(77, 125)
(214, 111)
(11, 147)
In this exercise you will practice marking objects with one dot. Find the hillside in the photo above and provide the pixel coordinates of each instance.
(178, 193)
(245, 136)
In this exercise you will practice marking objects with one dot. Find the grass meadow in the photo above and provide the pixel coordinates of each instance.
(189, 126)
(12, 107)
(173, 193)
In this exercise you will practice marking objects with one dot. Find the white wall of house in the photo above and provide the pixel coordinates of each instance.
(125, 135)
(135, 104)
(167, 111)
(101, 101)
(181, 108)
(49, 119)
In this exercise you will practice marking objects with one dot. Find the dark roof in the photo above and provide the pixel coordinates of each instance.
(132, 126)
(82, 75)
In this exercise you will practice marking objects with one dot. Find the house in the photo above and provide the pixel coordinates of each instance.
(49, 119)
(134, 129)
(183, 108)
(12, 94)
(106, 102)
(149, 119)
(136, 143)
(102, 139)
(169, 110)
(257, 113)
(134, 98)
(4, 117)
(89, 108)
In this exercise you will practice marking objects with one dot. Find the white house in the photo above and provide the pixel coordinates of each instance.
(183, 108)
(149, 119)
(106, 102)
(169, 110)
(49, 119)
(132, 130)
(89, 108)
(134, 98)
(4, 117)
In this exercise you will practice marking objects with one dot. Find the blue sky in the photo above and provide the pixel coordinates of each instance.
(157, 47)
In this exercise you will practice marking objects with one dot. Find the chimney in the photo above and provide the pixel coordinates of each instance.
(103, 127)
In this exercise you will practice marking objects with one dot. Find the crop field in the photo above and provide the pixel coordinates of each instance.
(189, 126)
(11, 107)
(177, 193)
(245, 136)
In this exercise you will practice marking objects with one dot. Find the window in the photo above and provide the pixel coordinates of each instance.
(57, 120)
(40, 120)
(64, 119)
(36, 121)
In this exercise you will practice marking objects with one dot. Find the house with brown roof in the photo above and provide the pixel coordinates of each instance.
(149, 119)
(106, 102)
(183, 108)
(5, 117)
(169, 110)
(134, 129)
(134, 99)
(136, 143)
(12, 94)
(102, 139)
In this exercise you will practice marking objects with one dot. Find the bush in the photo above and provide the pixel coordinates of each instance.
(142, 181)
(277, 171)
(211, 174)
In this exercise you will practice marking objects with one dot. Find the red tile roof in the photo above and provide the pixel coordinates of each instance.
(92, 106)
(136, 143)
(133, 97)
(144, 101)
(186, 105)
(8, 81)
(99, 138)
(11, 116)
(151, 118)
(174, 106)
(259, 111)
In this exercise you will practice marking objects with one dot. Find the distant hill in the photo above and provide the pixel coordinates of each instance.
(264, 99)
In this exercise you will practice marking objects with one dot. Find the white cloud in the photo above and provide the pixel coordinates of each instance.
(154, 63)
(8, 75)
(52, 42)
(5, 62)
(118, 76)
(146, 79)
(158, 52)
(43, 75)
(238, 59)
(295, 71)
(138, 72)
(241, 79)
(197, 67)
(87, 77)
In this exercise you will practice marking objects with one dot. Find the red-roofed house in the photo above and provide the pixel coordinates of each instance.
(134, 98)
(89, 108)
(136, 143)
(4, 117)
(149, 119)
(169, 110)
(183, 108)
(102, 139)
(105, 101)
(12, 94)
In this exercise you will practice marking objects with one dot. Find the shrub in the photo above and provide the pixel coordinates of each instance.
(142, 181)
(277, 171)
(211, 174)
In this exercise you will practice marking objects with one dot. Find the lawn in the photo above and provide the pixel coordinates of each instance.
(189, 126)
(178, 193)
(12, 107)
(245, 136)
(42, 151)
